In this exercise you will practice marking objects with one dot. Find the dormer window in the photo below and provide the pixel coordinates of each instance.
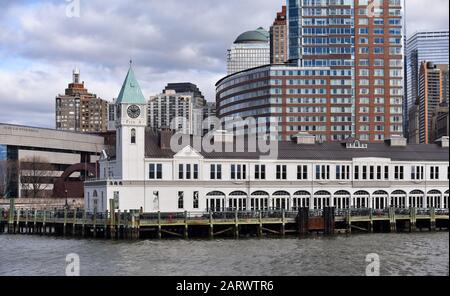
(133, 136)
(356, 145)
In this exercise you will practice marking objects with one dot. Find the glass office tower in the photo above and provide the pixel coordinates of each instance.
(431, 46)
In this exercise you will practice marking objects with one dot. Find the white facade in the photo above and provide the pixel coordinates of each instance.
(147, 176)
(190, 182)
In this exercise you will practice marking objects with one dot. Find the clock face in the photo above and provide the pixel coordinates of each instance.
(133, 111)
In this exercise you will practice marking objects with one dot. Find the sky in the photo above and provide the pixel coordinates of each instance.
(42, 41)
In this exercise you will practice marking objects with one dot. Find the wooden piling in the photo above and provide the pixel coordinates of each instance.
(186, 230)
(302, 221)
(65, 222)
(432, 219)
(236, 225)
(159, 225)
(211, 226)
(329, 217)
(260, 226)
(74, 223)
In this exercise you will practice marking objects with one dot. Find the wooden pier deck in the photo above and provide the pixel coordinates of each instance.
(135, 225)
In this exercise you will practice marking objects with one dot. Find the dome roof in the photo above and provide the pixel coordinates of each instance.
(257, 36)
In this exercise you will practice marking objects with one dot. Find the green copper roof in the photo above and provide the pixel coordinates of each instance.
(257, 36)
(131, 92)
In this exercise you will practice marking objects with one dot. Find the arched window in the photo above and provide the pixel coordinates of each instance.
(133, 136)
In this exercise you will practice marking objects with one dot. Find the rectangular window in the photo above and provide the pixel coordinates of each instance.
(399, 172)
(364, 173)
(188, 171)
(159, 171)
(155, 171)
(281, 172)
(152, 171)
(357, 172)
(238, 172)
(322, 172)
(180, 172)
(434, 173)
(260, 172)
(195, 171)
(386, 173)
(379, 172)
(302, 172)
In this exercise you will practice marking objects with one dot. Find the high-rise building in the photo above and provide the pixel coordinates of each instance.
(361, 36)
(209, 115)
(251, 49)
(432, 46)
(430, 97)
(279, 39)
(112, 115)
(439, 122)
(80, 111)
(178, 107)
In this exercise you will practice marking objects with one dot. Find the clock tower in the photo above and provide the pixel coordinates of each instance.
(131, 121)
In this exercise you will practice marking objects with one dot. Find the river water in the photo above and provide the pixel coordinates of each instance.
(399, 254)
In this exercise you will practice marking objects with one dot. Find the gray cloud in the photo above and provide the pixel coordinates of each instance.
(169, 41)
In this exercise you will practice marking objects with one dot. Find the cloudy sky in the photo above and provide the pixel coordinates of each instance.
(168, 40)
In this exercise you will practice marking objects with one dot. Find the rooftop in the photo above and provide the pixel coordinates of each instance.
(257, 36)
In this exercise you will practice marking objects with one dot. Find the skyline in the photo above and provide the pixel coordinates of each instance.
(38, 54)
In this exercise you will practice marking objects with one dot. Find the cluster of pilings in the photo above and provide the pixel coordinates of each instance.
(270, 223)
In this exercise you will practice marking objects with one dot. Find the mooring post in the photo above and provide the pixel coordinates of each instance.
(211, 225)
(433, 219)
(17, 228)
(65, 221)
(11, 216)
(260, 226)
(44, 223)
(112, 219)
(74, 222)
(412, 219)
(125, 224)
(133, 226)
(371, 220)
(392, 220)
(119, 219)
(303, 219)
(159, 225)
(236, 224)
(95, 223)
(283, 223)
(349, 220)
(26, 221)
(105, 224)
(186, 230)
(83, 223)
(35, 221)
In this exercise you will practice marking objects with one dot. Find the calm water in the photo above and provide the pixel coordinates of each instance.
(400, 254)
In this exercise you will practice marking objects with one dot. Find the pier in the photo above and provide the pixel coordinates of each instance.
(234, 224)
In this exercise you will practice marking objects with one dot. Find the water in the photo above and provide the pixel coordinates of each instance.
(400, 254)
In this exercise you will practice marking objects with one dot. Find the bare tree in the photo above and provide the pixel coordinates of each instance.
(8, 176)
(36, 175)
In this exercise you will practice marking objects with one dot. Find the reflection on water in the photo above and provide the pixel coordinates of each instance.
(400, 254)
